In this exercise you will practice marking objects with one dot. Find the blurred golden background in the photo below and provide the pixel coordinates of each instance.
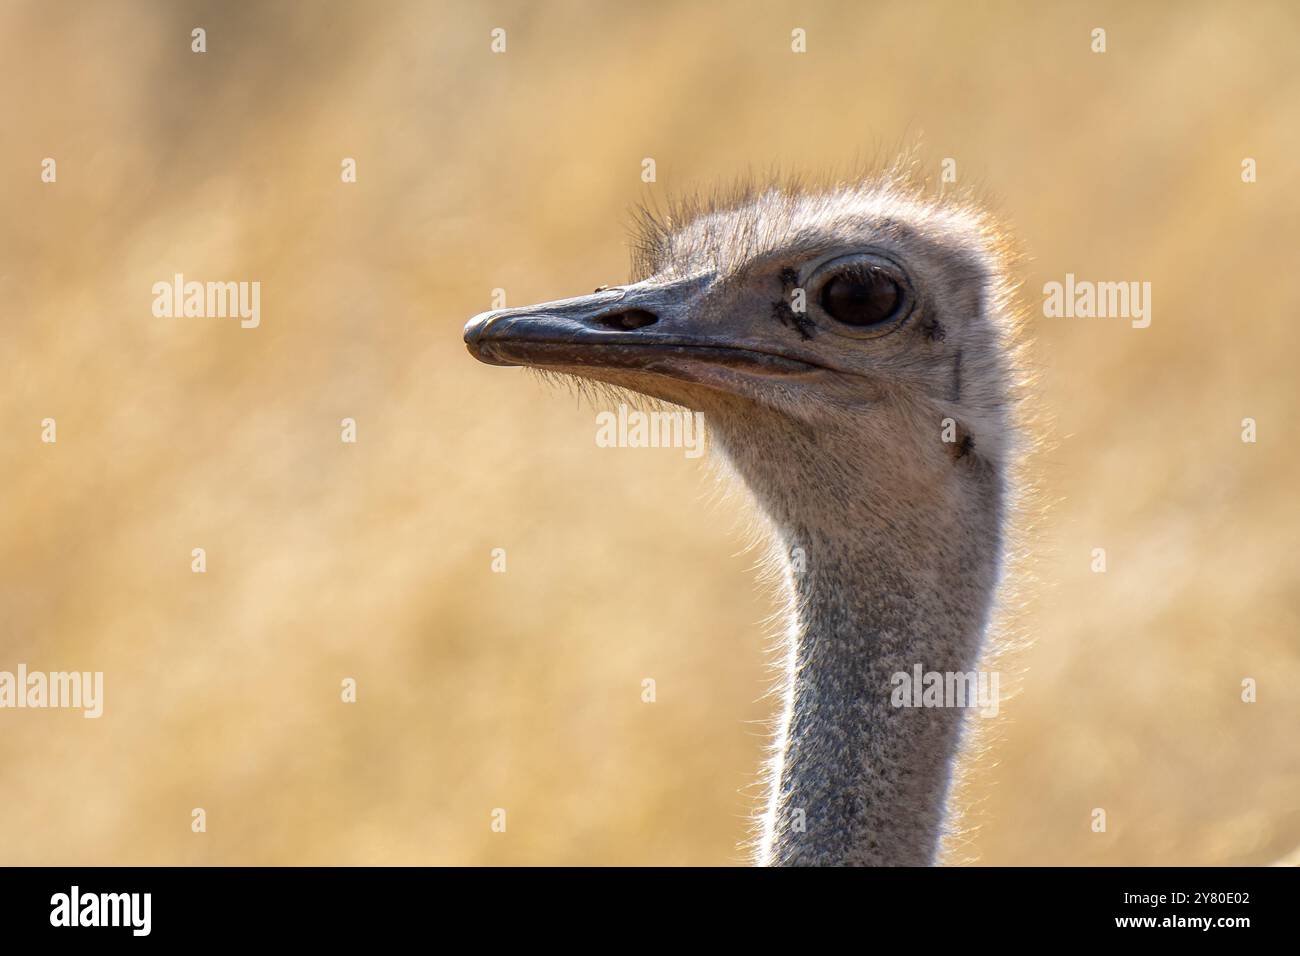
(522, 690)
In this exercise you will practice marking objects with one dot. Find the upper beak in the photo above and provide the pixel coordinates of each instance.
(561, 329)
(650, 326)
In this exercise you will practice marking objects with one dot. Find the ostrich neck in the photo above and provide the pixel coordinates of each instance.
(893, 577)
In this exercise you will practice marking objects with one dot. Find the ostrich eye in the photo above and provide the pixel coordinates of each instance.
(861, 298)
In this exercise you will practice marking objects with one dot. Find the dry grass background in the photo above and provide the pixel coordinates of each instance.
(480, 690)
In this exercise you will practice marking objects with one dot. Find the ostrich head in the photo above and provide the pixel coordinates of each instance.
(849, 338)
(851, 352)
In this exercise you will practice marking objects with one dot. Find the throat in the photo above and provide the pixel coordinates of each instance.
(858, 779)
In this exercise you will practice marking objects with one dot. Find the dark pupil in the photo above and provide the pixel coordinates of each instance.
(860, 299)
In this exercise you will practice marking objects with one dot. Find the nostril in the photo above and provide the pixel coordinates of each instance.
(627, 319)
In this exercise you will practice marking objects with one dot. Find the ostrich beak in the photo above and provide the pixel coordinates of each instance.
(648, 327)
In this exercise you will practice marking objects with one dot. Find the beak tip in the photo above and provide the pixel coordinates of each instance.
(474, 328)
(475, 344)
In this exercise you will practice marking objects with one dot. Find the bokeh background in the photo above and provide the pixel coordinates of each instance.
(371, 560)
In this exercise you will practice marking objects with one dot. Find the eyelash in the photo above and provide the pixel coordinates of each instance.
(861, 271)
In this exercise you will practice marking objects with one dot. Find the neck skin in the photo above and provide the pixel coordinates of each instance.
(900, 559)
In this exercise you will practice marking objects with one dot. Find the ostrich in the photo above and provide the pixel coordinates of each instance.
(852, 350)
